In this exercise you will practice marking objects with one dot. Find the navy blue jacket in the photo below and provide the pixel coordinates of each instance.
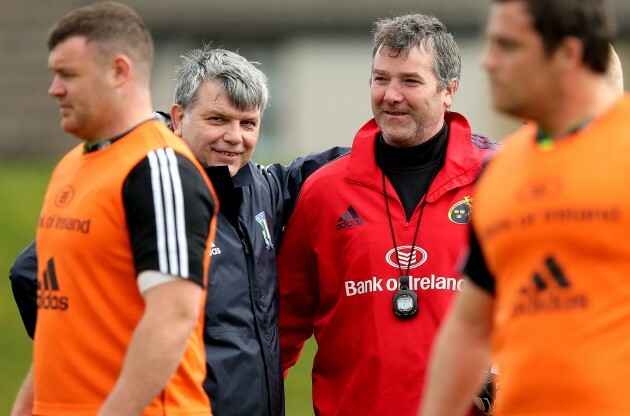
(241, 315)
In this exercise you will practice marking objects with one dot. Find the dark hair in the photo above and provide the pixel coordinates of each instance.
(115, 27)
(587, 20)
(403, 32)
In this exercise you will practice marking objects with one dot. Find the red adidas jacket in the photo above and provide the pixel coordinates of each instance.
(338, 273)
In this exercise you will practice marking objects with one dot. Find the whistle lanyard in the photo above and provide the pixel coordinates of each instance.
(423, 202)
(405, 300)
(391, 225)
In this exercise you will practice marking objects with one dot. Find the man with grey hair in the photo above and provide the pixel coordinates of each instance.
(368, 259)
(238, 96)
(218, 104)
(219, 101)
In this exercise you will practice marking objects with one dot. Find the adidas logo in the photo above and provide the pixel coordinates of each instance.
(47, 294)
(214, 250)
(549, 291)
(348, 219)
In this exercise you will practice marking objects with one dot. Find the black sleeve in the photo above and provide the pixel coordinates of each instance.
(288, 180)
(23, 277)
(169, 208)
(475, 267)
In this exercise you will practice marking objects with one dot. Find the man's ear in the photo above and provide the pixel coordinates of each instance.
(569, 52)
(121, 69)
(177, 118)
(451, 89)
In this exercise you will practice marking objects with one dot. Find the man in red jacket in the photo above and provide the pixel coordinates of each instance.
(368, 258)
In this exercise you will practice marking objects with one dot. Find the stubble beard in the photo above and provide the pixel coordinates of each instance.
(410, 135)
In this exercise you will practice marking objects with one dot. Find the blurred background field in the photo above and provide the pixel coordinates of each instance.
(22, 186)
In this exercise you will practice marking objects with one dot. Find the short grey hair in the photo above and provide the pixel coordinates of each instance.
(402, 33)
(245, 84)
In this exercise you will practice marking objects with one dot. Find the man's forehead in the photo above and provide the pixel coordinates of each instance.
(410, 60)
(213, 98)
(71, 51)
(510, 16)
(211, 107)
(386, 50)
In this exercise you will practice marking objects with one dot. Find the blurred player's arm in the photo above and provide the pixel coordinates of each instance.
(23, 405)
(156, 347)
(460, 354)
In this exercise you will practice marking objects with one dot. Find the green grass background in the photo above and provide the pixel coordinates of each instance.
(22, 187)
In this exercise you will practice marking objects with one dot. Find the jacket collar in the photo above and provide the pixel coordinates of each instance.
(220, 176)
(230, 189)
(461, 167)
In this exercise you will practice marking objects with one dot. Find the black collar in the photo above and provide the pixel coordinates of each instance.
(414, 157)
(229, 189)
(220, 176)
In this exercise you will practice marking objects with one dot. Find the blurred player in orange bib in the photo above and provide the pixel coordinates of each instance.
(123, 238)
(549, 265)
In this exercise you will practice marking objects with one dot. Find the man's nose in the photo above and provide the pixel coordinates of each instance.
(393, 92)
(56, 88)
(232, 132)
